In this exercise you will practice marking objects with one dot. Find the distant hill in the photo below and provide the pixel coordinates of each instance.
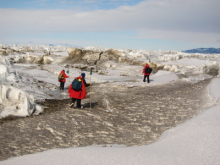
(203, 50)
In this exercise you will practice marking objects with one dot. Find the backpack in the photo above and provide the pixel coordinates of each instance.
(148, 70)
(77, 84)
(60, 77)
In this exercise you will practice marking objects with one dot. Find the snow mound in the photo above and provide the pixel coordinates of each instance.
(212, 68)
(34, 59)
(14, 101)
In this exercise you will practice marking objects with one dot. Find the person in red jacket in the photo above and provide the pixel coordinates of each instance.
(63, 80)
(147, 71)
(78, 95)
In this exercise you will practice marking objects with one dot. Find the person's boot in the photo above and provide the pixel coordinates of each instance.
(71, 105)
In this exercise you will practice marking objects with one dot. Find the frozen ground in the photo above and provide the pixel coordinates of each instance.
(125, 111)
(194, 142)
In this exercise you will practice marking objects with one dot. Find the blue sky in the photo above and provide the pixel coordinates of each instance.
(67, 4)
(128, 24)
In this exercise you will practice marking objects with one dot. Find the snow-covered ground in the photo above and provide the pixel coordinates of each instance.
(193, 142)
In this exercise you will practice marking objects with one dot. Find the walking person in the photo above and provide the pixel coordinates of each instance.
(147, 71)
(77, 90)
(62, 79)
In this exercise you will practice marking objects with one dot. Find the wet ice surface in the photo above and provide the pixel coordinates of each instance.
(120, 115)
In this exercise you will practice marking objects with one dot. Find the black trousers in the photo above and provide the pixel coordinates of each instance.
(148, 78)
(78, 102)
(62, 85)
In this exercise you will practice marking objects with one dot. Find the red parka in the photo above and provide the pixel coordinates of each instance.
(146, 66)
(78, 94)
(64, 76)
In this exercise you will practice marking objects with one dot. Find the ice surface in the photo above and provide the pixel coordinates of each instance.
(194, 142)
